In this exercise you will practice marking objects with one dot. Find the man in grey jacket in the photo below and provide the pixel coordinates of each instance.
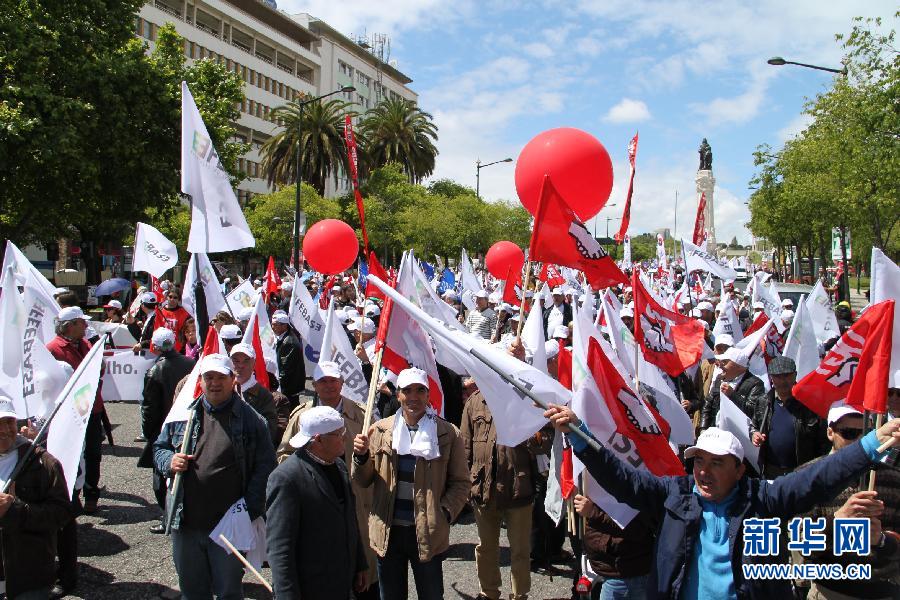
(739, 384)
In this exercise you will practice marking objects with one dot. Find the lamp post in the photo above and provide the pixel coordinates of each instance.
(607, 225)
(300, 106)
(778, 62)
(608, 219)
(479, 167)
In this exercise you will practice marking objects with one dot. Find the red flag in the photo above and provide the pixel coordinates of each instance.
(761, 319)
(671, 341)
(564, 366)
(512, 287)
(259, 365)
(211, 346)
(551, 275)
(378, 271)
(156, 288)
(272, 281)
(566, 474)
(700, 222)
(561, 238)
(626, 214)
(856, 368)
(635, 419)
(325, 292)
(353, 162)
(385, 319)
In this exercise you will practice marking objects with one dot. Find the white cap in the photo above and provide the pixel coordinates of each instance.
(327, 368)
(245, 313)
(367, 324)
(166, 285)
(716, 441)
(569, 291)
(243, 348)
(734, 355)
(218, 363)
(6, 408)
(696, 313)
(724, 339)
(787, 315)
(627, 289)
(317, 420)
(279, 316)
(148, 298)
(371, 310)
(63, 290)
(230, 332)
(557, 291)
(839, 410)
(163, 338)
(480, 294)
(113, 304)
(70, 313)
(336, 290)
(507, 308)
(560, 331)
(706, 306)
(551, 348)
(450, 295)
(495, 297)
(287, 286)
(787, 303)
(257, 282)
(408, 377)
(758, 305)
(626, 312)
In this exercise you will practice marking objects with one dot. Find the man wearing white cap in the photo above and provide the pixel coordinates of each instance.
(230, 335)
(363, 330)
(417, 467)
(229, 456)
(327, 384)
(481, 320)
(289, 351)
(308, 500)
(32, 511)
(243, 357)
(144, 324)
(742, 387)
(287, 289)
(627, 316)
(707, 313)
(244, 316)
(700, 516)
(881, 506)
(558, 313)
(160, 382)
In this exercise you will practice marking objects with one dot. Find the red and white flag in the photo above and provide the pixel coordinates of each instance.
(512, 287)
(272, 281)
(856, 368)
(626, 214)
(671, 341)
(559, 237)
(376, 269)
(260, 336)
(551, 276)
(699, 238)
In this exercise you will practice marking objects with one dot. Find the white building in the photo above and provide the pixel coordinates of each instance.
(279, 57)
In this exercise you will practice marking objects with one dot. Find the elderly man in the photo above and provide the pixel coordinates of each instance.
(243, 357)
(503, 488)
(742, 387)
(558, 313)
(699, 517)
(289, 351)
(481, 320)
(160, 382)
(229, 456)
(417, 466)
(788, 433)
(32, 511)
(309, 499)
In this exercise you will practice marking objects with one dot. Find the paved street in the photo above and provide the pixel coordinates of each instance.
(120, 558)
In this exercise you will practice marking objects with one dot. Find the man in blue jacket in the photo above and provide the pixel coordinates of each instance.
(229, 456)
(699, 544)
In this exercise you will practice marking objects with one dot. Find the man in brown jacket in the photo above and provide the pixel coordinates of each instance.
(327, 384)
(502, 491)
(417, 466)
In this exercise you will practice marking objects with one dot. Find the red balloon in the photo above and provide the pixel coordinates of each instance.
(330, 246)
(503, 256)
(576, 162)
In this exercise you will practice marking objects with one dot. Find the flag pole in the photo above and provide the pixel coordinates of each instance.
(245, 562)
(879, 421)
(380, 343)
(176, 483)
(42, 432)
(522, 301)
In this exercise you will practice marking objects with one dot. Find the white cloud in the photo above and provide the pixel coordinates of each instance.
(794, 127)
(538, 50)
(387, 16)
(737, 109)
(628, 111)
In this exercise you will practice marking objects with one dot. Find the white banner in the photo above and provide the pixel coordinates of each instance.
(241, 297)
(336, 347)
(819, 306)
(23, 267)
(801, 345)
(118, 333)
(626, 252)
(731, 418)
(123, 375)
(307, 320)
(260, 320)
(12, 315)
(153, 252)
(215, 299)
(217, 222)
(697, 259)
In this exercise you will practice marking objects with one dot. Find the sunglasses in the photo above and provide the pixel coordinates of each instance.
(849, 433)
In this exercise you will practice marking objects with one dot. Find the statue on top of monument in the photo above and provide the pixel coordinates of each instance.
(705, 156)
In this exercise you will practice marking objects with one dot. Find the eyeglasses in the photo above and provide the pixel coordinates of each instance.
(849, 433)
(341, 432)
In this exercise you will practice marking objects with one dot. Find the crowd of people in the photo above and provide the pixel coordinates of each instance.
(349, 509)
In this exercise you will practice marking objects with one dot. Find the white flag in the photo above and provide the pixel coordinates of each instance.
(885, 285)
(626, 252)
(260, 320)
(153, 252)
(241, 297)
(66, 437)
(751, 347)
(470, 283)
(217, 222)
(819, 306)
(534, 340)
(308, 321)
(215, 299)
(661, 259)
(12, 315)
(728, 322)
(731, 418)
(336, 347)
(768, 295)
(801, 343)
(23, 267)
(697, 259)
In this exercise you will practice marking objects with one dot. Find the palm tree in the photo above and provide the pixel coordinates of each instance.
(318, 129)
(397, 130)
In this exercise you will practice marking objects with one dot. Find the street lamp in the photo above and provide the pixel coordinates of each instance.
(479, 167)
(777, 61)
(300, 107)
(595, 218)
(608, 219)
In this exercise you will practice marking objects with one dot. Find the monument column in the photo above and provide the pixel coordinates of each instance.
(706, 184)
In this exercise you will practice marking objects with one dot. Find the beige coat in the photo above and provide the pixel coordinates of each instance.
(353, 421)
(442, 483)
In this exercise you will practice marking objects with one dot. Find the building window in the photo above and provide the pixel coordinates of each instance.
(137, 26)
(146, 29)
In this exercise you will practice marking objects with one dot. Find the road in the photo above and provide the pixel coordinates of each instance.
(120, 558)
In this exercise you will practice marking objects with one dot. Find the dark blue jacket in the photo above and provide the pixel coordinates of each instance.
(672, 502)
(253, 452)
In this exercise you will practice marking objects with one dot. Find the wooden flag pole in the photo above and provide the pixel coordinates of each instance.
(522, 301)
(373, 390)
(246, 563)
(176, 483)
(879, 421)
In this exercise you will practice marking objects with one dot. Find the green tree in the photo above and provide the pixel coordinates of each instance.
(271, 218)
(398, 131)
(318, 130)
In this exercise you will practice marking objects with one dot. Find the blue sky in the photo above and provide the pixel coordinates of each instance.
(496, 73)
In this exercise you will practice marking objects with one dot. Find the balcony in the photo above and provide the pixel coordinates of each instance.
(241, 45)
(264, 58)
(175, 12)
(285, 68)
(207, 29)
